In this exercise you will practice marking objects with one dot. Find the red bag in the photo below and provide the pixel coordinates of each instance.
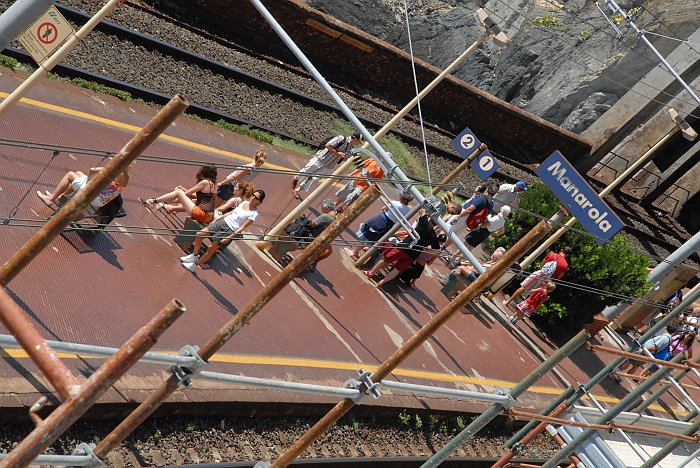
(475, 218)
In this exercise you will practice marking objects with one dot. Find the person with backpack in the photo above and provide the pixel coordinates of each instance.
(659, 347)
(474, 211)
(329, 153)
(554, 266)
(305, 231)
(679, 343)
(493, 224)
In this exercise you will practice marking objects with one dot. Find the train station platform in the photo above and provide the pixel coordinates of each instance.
(99, 288)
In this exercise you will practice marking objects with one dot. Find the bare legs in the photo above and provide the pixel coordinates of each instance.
(176, 201)
(62, 188)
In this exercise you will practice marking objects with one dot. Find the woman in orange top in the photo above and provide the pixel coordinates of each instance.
(201, 208)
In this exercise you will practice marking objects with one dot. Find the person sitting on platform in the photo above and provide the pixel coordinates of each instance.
(375, 227)
(225, 188)
(223, 231)
(74, 181)
(242, 191)
(180, 199)
(316, 227)
(367, 169)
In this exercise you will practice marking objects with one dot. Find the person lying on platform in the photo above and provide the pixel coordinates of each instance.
(181, 199)
(74, 181)
(316, 227)
(225, 188)
(223, 231)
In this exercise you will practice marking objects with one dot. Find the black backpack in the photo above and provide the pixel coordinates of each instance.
(300, 230)
(323, 144)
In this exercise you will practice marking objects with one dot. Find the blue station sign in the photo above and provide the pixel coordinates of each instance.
(578, 197)
(484, 165)
(465, 143)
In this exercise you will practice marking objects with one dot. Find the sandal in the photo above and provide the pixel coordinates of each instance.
(45, 198)
(148, 201)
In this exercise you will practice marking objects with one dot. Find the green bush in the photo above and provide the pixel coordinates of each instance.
(612, 267)
(8, 62)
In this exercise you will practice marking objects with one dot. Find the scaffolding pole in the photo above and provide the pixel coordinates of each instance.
(610, 414)
(596, 379)
(671, 446)
(393, 170)
(68, 412)
(242, 318)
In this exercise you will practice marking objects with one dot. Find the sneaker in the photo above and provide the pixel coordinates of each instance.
(191, 258)
(512, 319)
(190, 266)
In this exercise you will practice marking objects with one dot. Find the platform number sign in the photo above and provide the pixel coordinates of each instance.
(465, 143)
(484, 165)
(46, 34)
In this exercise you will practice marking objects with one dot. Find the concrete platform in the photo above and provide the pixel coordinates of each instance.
(100, 288)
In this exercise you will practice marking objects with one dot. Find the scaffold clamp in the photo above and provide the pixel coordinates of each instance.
(86, 450)
(364, 382)
(510, 402)
(186, 372)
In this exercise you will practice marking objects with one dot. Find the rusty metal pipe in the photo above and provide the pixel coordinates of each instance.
(529, 437)
(94, 186)
(67, 413)
(265, 295)
(639, 357)
(17, 322)
(418, 339)
(576, 461)
(609, 427)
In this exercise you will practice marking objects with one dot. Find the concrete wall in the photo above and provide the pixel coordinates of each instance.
(339, 50)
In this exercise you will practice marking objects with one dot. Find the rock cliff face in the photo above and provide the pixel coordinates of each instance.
(567, 64)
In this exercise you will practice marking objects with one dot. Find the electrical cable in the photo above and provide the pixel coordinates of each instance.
(415, 83)
(178, 161)
(602, 62)
(147, 230)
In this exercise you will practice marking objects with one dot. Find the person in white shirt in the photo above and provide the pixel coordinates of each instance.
(223, 231)
(488, 227)
(507, 193)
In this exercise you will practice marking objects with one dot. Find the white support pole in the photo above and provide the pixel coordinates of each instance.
(20, 16)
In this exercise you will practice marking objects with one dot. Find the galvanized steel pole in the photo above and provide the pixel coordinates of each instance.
(94, 186)
(48, 64)
(618, 408)
(448, 178)
(496, 409)
(244, 315)
(417, 340)
(343, 168)
(18, 18)
(596, 379)
(70, 411)
(382, 155)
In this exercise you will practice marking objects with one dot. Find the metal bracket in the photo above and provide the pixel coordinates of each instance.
(510, 402)
(84, 449)
(517, 448)
(185, 373)
(434, 206)
(364, 381)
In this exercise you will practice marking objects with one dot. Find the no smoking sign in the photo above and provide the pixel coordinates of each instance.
(46, 34)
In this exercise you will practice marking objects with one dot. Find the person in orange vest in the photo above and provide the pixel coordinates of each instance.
(367, 169)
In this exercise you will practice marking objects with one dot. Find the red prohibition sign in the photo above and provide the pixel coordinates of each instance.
(46, 33)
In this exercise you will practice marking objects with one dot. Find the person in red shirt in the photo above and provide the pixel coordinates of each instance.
(367, 169)
(533, 301)
(554, 266)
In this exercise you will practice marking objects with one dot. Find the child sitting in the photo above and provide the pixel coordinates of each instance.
(533, 301)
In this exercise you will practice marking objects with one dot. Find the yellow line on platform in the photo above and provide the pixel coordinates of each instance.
(133, 128)
(341, 365)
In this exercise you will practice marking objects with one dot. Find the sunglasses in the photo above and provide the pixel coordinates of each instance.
(257, 197)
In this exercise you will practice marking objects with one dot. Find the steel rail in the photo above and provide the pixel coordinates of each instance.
(217, 67)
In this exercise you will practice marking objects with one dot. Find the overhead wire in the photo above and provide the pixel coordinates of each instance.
(153, 231)
(415, 83)
(180, 161)
(547, 30)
